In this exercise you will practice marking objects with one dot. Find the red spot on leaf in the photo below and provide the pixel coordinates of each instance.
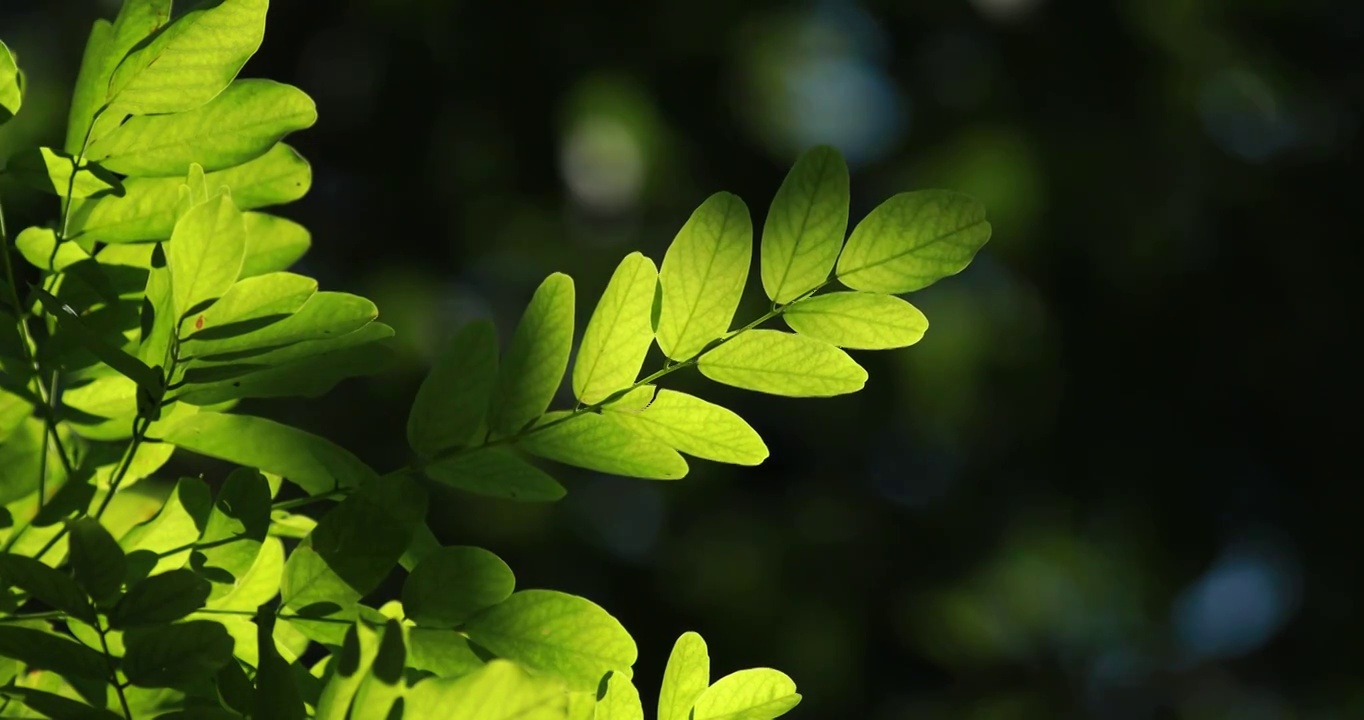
(199, 324)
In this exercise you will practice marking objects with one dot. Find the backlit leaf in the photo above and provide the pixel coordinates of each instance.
(859, 320)
(686, 677)
(556, 634)
(913, 240)
(96, 560)
(57, 706)
(240, 124)
(261, 582)
(498, 691)
(11, 85)
(147, 209)
(235, 530)
(495, 472)
(176, 655)
(590, 440)
(146, 378)
(272, 243)
(347, 670)
(805, 226)
(780, 363)
(108, 44)
(703, 275)
(619, 334)
(313, 463)
(52, 587)
(205, 252)
(441, 651)
(536, 358)
(757, 694)
(452, 402)
(160, 599)
(324, 315)
(452, 583)
(171, 534)
(190, 60)
(362, 537)
(57, 173)
(383, 684)
(252, 304)
(621, 701)
(696, 427)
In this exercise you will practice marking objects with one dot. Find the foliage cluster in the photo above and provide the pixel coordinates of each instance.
(163, 298)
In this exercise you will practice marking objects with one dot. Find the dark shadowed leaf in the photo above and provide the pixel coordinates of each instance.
(40, 649)
(160, 599)
(96, 560)
(452, 402)
(53, 587)
(176, 655)
(452, 583)
(496, 472)
(536, 358)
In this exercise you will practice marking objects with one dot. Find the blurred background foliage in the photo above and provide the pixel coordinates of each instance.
(1106, 484)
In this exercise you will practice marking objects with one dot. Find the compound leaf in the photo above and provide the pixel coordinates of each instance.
(498, 691)
(313, 463)
(694, 426)
(685, 678)
(703, 275)
(780, 363)
(913, 240)
(805, 226)
(244, 121)
(106, 48)
(619, 333)
(756, 694)
(452, 402)
(147, 209)
(536, 358)
(452, 583)
(595, 442)
(177, 655)
(557, 634)
(205, 252)
(189, 61)
(495, 472)
(858, 320)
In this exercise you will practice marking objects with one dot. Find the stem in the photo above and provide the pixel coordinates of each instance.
(310, 500)
(47, 615)
(113, 673)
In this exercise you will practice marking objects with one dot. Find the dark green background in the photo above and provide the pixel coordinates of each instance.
(1107, 484)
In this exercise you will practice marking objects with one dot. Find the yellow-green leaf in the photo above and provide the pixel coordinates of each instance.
(805, 227)
(619, 334)
(694, 426)
(495, 472)
(913, 240)
(497, 691)
(205, 253)
(621, 701)
(685, 678)
(703, 275)
(593, 441)
(536, 358)
(858, 320)
(756, 694)
(57, 173)
(452, 402)
(780, 363)
(11, 85)
(272, 243)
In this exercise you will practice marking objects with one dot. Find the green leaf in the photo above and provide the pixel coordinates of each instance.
(383, 684)
(593, 441)
(443, 652)
(147, 209)
(42, 582)
(619, 334)
(171, 534)
(686, 677)
(176, 655)
(96, 560)
(157, 318)
(805, 226)
(251, 304)
(40, 248)
(858, 320)
(325, 315)
(240, 124)
(555, 633)
(621, 701)
(40, 649)
(495, 472)
(913, 240)
(190, 60)
(362, 537)
(205, 253)
(146, 378)
(695, 427)
(536, 358)
(277, 694)
(259, 584)
(11, 85)
(452, 402)
(55, 172)
(346, 671)
(160, 599)
(235, 530)
(272, 244)
(498, 691)
(306, 369)
(452, 583)
(56, 706)
(313, 463)
(757, 694)
(703, 275)
(780, 363)
(108, 44)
